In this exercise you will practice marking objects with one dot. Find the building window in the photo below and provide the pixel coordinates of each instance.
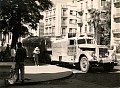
(50, 31)
(53, 20)
(117, 35)
(76, 13)
(50, 21)
(64, 12)
(73, 21)
(63, 31)
(86, 16)
(103, 15)
(85, 28)
(86, 5)
(10, 35)
(63, 21)
(70, 21)
(46, 30)
(103, 2)
(71, 12)
(81, 6)
(46, 13)
(74, 30)
(53, 11)
(53, 30)
(70, 30)
(90, 29)
(50, 13)
(80, 30)
(46, 22)
(91, 3)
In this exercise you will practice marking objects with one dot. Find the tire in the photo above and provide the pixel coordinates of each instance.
(84, 64)
(108, 67)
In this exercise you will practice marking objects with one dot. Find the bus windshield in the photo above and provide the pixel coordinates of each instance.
(85, 41)
(81, 41)
(89, 41)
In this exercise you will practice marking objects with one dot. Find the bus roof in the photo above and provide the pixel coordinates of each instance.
(81, 38)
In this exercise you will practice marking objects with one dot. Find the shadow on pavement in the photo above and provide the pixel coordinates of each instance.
(103, 79)
(43, 78)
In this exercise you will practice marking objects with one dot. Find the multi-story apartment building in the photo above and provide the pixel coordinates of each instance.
(84, 26)
(60, 21)
(71, 19)
(115, 24)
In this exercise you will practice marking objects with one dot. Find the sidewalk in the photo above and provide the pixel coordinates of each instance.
(118, 58)
(44, 73)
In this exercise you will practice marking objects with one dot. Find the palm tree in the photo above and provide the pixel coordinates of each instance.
(95, 21)
(101, 22)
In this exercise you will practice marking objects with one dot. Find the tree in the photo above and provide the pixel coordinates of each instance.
(34, 41)
(95, 22)
(43, 43)
(101, 21)
(15, 13)
(107, 22)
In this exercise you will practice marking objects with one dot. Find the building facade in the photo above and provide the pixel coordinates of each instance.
(71, 19)
(84, 15)
(60, 21)
(41, 29)
(115, 24)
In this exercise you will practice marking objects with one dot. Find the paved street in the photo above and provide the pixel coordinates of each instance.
(94, 79)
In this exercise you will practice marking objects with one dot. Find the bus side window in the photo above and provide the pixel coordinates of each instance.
(72, 42)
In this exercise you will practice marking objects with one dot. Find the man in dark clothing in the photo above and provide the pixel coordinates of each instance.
(19, 59)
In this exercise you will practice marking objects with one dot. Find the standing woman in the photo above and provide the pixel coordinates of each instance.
(36, 53)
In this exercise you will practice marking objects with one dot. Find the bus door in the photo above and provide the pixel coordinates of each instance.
(71, 49)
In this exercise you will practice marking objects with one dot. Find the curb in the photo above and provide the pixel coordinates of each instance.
(27, 83)
(118, 62)
(45, 76)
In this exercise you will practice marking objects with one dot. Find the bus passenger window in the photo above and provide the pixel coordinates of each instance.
(71, 42)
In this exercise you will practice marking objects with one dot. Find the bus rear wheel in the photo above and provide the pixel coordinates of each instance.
(84, 64)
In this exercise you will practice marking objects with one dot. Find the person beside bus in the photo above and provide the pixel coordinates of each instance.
(36, 53)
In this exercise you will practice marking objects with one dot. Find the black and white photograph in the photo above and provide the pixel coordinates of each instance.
(59, 43)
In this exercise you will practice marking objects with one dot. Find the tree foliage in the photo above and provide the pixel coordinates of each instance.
(34, 41)
(15, 13)
(101, 20)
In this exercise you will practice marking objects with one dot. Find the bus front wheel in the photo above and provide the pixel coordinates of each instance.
(84, 64)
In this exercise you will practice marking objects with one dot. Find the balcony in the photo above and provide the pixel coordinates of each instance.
(89, 9)
(71, 35)
(117, 17)
(117, 3)
(79, 22)
(80, 12)
(116, 36)
(116, 30)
